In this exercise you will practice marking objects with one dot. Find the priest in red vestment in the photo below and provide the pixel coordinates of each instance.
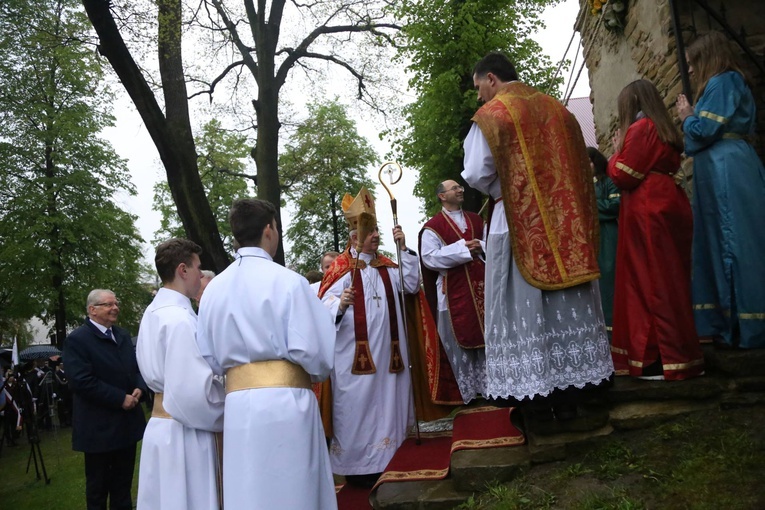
(451, 251)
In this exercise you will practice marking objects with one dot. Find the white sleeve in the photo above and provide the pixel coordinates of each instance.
(192, 395)
(410, 264)
(480, 172)
(437, 256)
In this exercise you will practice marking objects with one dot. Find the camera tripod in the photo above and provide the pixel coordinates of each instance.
(35, 452)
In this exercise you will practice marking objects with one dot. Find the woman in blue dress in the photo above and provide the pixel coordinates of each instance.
(728, 194)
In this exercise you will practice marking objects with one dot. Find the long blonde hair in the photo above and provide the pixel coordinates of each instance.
(642, 96)
(710, 55)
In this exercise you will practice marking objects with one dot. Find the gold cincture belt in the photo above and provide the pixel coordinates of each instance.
(267, 374)
(158, 411)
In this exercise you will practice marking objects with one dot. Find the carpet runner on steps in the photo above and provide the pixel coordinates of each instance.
(480, 427)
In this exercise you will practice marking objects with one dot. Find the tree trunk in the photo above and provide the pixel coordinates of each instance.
(171, 135)
(267, 141)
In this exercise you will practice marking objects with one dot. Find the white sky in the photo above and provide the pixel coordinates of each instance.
(132, 142)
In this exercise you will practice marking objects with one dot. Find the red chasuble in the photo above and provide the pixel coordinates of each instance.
(653, 314)
(463, 285)
(546, 181)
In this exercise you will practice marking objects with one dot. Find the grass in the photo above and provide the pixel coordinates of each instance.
(706, 461)
(20, 490)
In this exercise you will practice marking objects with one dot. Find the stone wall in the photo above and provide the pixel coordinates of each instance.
(646, 48)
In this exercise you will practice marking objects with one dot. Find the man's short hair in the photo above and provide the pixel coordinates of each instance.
(248, 218)
(171, 253)
(94, 296)
(326, 254)
(440, 189)
(314, 276)
(497, 64)
(206, 273)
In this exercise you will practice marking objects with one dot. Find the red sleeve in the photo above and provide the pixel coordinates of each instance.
(628, 167)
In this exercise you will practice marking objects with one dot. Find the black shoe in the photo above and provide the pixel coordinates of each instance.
(364, 481)
(654, 369)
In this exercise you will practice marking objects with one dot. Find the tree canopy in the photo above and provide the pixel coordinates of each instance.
(442, 43)
(62, 232)
(222, 163)
(247, 45)
(325, 159)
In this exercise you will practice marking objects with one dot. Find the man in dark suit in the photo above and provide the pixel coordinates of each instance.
(107, 420)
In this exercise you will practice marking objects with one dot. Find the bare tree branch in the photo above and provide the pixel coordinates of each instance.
(211, 85)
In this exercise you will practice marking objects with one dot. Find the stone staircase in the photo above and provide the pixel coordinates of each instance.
(733, 379)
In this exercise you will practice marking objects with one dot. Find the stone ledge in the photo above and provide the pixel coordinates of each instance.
(424, 495)
(471, 469)
(639, 415)
(630, 389)
(736, 363)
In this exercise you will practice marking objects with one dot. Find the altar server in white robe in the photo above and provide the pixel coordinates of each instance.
(263, 327)
(371, 389)
(179, 467)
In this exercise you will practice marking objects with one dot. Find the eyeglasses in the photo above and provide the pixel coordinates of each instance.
(109, 305)
(456, 188)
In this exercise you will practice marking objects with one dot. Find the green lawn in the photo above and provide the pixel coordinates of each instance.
(20, 490)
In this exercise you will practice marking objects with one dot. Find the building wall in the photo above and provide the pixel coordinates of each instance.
(646, 48)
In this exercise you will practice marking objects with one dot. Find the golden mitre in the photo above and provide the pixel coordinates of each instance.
(353, 207)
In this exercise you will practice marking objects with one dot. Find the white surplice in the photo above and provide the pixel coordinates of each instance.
(371, 413)
(274, 450)
(468, 365)
(179, 459)
(536, 341)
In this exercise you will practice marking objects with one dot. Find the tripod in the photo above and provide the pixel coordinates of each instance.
(35, 452)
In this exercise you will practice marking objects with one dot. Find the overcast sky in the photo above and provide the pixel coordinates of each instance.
(132, 142)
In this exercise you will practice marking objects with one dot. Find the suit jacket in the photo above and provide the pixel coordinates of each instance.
(101, 372)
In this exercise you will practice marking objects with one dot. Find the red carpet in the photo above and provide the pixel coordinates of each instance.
(350, 497)
(481, 427)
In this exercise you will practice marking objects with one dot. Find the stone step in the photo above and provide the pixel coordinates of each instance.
(472, 469)
(425, 495)
(736, 363)
(639, 415)
(631, 389)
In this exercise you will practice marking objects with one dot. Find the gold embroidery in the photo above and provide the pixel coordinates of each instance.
(627, 170)
(712, 306)
(756, 316)
(614, 195)
(683, 366)
(733, 136)
(714, 117)
(619, 351)
(549, 231)
(638, 364)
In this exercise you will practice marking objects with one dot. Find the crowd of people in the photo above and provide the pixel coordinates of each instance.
(31, 395)
(564, 282)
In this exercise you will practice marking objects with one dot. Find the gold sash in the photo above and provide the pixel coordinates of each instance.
(158, 411)
(267, 374)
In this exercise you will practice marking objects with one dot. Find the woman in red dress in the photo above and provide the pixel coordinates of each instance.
(653, 333)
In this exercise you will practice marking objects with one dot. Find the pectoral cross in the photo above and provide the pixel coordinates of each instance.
(377, 300)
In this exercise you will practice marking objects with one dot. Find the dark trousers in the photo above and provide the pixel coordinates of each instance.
(109, 474)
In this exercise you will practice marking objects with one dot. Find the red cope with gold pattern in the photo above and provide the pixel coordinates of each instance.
(546, 182)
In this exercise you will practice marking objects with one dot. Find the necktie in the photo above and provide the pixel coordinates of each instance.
(109, 335)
